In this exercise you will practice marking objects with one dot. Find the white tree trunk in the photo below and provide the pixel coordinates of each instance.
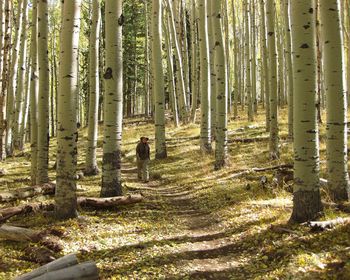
(65, 197)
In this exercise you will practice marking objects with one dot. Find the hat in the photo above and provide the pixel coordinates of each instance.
(144, 138)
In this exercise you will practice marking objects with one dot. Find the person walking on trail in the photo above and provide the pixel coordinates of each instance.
(143, 158)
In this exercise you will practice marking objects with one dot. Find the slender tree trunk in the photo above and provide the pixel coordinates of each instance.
(204, 78)
(307, 201)
(10, 113)
(271, 39)
(221, 88)
(24, 122)
(158, 79)
(253, 58)
(235, 59)
(171, 77)
(147, 61)
(212, 68)
(179, 68)
(337, 161)
(4, 50)
(91, 167)
(265, 63)
(248, 62)
(20, 92)
(34, 91)
(44, 90)
(289, 68)
(194, 68)
(113, 103)
(65, 197)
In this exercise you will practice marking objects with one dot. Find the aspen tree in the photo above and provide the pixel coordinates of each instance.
(289, 66)
(248, 62)
(34, 91)
(65, 197)
(272, 54)
(113, 101)
(336, 100)
(91, 167)
(43, 98)
(221, 88)
(205, 133)
(307, 200)
(265, 63)
(20, 92)
(13, 74)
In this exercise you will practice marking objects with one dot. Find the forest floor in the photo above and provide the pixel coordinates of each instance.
(194, 223)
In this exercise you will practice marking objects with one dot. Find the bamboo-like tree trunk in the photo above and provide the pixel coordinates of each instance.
(158, 79)
(34, 91)
(44, 89)
(204, 78)
(271, 40)
(65, 197)
(91, 167)
(20, 92)
(113, 101)
(307, 201)
(221, 88)
(334, 60)
(10, 109)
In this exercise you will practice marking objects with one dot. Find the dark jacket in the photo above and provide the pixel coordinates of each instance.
(143, 151)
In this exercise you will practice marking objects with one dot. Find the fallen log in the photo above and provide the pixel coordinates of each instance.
(82, 271)
(96, 202)
(21, 234)
(6, 213)
(255, 169)
(323, 225)
(90, 202)
(66, 267)
(22, 193)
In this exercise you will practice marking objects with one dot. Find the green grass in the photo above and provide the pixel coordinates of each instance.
(153, 240)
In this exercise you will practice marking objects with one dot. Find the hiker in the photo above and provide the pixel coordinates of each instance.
(143, 158)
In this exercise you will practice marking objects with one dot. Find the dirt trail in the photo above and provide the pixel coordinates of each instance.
(207, 254)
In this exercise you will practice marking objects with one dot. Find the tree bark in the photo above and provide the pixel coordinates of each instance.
(22, 193)
(65, 198)
(205, 89)
(158, 78)
(113, 101)
(307, 201)
(334, 60)
(43, 99)
(91, 167)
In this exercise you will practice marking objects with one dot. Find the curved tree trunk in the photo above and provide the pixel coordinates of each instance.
(337, 160)
(307, 201)
(113, 101)
(91, 167)
(65, 197)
